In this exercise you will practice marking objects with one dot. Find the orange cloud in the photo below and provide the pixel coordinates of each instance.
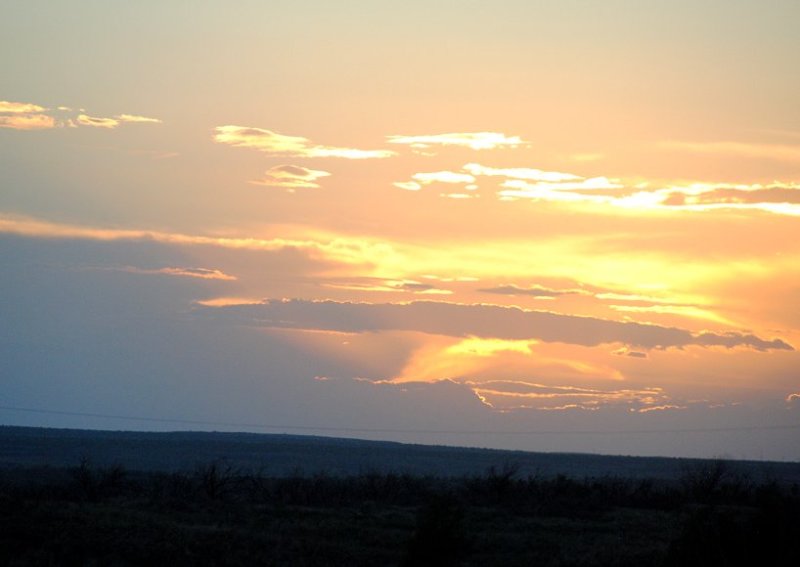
(520, 394)
(442, 177)
(526, 173)
(383, 285)
(533, 291)
(29, 116)
(95, 122)
(291, 177)
(24, 116)
(664, 407)
(20, 107)
(472, 140)
(27, 121)
(275, 144)
(348, 251)
(136, 118)
(200, 273)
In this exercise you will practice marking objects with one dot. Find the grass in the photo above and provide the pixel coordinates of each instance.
(219, 515)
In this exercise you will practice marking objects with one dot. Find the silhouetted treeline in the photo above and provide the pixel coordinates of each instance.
(217, 514)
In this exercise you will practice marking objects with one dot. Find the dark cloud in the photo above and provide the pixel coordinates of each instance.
(534, 291)
(416, 286)
(459, 320)
(734, 196)
(766, 195)
(631, 353)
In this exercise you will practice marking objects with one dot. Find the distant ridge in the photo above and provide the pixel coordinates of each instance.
(283, 454)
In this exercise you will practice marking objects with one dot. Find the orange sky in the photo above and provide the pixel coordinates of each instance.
(435, 217)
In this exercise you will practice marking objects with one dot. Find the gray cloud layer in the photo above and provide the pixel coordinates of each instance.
(510, 323)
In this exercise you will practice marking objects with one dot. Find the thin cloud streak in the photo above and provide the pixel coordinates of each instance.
(291, 177)
(199, 273)
(348, 251)
(29, 116)
(471, 140)
(282, 145)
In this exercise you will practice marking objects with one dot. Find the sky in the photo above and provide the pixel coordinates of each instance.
(564, 226)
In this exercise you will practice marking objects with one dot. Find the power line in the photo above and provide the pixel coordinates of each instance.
(288, 427)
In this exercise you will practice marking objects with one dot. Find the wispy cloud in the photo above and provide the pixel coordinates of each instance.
(513, 394)
(472, 140)
(199, 273)
(96, 122)
(533, 291)
(630, 353)
(291, 177)
(387, 285)
(20, 107)
(27, 121)
(526, 173)
(682, 310)
(137, 118)
(113, 122)
(341, 250)
(281, 145)
(442, 177)
(664, 407)
(485, 321)
(29, 116)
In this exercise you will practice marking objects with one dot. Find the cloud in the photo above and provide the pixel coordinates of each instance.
(386, 285)
(422, 179)
(341, 250)
(27, 121)
(521, 173)
(291, 177)
(630, 353)
(664, 407)
(29, 116)
(96, 122)
(481, 320)
(561, 187)
(534, 291)
(682, 310)
(442, 177)
(459, 195)
(793, 398)
(20, 107)
(521, 182)
(24, 116)
(408, 185)
(136, 118)
(543, 189)
(472, 140)
(200, 273)
(777, 198)
(275, 144)
(513, 394)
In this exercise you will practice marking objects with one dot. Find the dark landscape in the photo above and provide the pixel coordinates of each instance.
(72, 497)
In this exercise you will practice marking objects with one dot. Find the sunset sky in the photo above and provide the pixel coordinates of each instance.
(552, 226)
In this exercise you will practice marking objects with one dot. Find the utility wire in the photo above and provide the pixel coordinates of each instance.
(393, 430)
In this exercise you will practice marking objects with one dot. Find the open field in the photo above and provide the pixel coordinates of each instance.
(229, 508)
(279, 455)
